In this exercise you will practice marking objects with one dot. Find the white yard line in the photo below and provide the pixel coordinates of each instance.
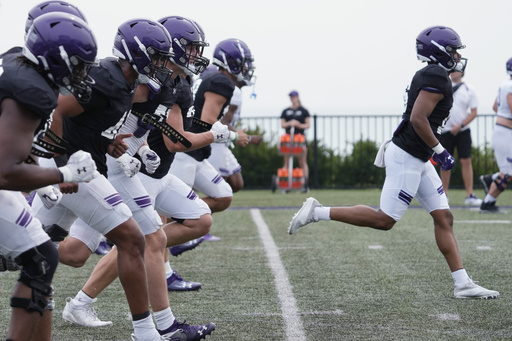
(294, 328)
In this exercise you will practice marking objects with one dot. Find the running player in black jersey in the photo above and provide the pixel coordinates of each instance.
(142, 48)
(409, 173)
(58, 52)
(212, 95)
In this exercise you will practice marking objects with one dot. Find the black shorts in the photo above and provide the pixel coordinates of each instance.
(462, 141)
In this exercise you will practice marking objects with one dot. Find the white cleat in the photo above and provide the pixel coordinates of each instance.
(473, 290)
(82, 314)
(304, 216)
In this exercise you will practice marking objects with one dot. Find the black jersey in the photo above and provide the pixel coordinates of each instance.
(215, 82)
(27, 86)
(432, 78)
(300, 114)
(95, 128)
(183, 99)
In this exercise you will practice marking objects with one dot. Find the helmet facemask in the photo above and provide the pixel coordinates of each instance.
(156, 74)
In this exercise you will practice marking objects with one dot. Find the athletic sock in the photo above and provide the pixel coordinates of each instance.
(489, 198)
(164, 319)
(322, 213)
(144, 329)
(168, 270)
(460, 277)
(82, 298)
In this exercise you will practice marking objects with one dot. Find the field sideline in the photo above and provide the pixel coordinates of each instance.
(330, 281)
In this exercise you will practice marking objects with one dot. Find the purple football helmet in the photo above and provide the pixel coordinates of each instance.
(146, 45)
(49, 7)
(437, 44)
(235, 56)
(188, 43)
(509, 66)
(64, 47)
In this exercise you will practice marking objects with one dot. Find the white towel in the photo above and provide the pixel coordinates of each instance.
(379, 159)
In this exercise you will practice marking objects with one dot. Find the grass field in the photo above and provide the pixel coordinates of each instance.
(330, 281)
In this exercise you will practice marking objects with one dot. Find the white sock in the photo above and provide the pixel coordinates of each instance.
(460, 277)
(168, 269)
(163, 318)
(82, 298)
(322, 213)
(145, 329)
(489, 198)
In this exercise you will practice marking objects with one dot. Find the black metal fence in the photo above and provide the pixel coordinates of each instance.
(341, 133)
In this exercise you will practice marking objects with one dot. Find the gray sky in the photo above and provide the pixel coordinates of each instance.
(344, 57)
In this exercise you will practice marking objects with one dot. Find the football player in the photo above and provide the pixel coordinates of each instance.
(56, 57)
(221, 158)
(142, 49)
(191, 212)
(211, 96)
(409, 173)
(495, 184)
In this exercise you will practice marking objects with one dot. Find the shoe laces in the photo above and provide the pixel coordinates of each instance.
(177, 276)
(89, 309)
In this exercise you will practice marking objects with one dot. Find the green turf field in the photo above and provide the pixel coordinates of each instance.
(329, 281)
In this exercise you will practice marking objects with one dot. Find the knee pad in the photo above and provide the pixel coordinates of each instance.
(38, 265)
(56, 233)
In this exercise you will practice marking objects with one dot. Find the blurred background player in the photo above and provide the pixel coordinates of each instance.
(298, 117)
(56, 57)
(456, 133)
(495, 184)
(409, 173)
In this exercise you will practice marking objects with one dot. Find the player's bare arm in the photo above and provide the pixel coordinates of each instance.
(16, 131)
(423, 107)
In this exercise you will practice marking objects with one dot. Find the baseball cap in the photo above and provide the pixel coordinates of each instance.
(293, 94)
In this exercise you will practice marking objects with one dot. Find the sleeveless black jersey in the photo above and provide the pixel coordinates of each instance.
(95, 128)
(215, 82)
(432, 78)
(183, 99)
(27, 86)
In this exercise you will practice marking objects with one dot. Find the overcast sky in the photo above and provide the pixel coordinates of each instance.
(344, 57)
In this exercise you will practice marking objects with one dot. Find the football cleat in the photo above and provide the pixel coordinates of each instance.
(304, 216)
(473, 290)
(176, 283)
(82, 314)
(211, 238)
(185, 332)
(102, 249)
(490, 207)
(472, 200)
(179, 249)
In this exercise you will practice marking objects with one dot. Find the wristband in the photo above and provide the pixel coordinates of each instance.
(66, 174)
(249, 137)
(462, 126)
(233, 136)
(438, 148)
(142, 149)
